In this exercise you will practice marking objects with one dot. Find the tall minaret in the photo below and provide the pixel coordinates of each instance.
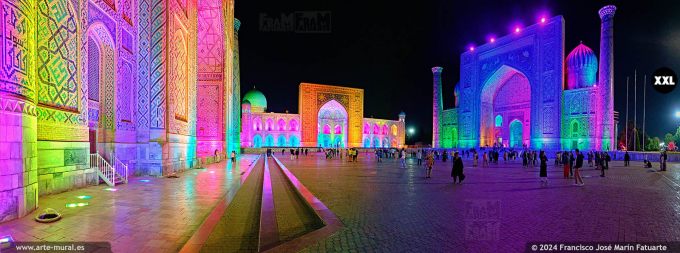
(235, 137)
(437, 105)
(606, 77)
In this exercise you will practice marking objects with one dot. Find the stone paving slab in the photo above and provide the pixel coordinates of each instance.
(498, 209)
(155, 216)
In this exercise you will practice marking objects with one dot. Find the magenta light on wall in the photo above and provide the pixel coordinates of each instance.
(492, 40)
(517, 29)
(471, 48)
(543, 20)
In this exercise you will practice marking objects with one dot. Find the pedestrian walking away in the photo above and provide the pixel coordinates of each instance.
(457, 169)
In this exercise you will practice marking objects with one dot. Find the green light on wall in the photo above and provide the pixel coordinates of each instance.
(84, 197)
(81, 204)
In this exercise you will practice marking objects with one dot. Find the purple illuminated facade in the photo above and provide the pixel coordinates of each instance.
(141, 84)
(520, 91)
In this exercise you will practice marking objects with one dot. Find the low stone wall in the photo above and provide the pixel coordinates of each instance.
(652, 156)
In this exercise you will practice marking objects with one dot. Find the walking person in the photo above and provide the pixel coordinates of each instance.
(604, 164)
(233, 156)
(402, 155)
(571, 163)
(577, 169)
(457, 169)
(429, 161)
(565, 164)
(485, 160)
(419, 156)
(543, 172)
(475, 157)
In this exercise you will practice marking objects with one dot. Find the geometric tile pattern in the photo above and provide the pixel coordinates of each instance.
(124, 94)
(16, 68)
(143, 55)
(157, 64)
(57, 55)
(210, 37)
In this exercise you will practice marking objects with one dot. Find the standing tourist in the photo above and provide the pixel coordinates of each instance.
(626, 159)
(457, 169)
(544, 169)
(429, 160)
(577, 169)
(233, 156)
(445, 156)
(565, 164)
(402, 156)
(662, 161)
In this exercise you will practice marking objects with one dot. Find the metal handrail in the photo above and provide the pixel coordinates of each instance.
(120, 166)
(104, 167)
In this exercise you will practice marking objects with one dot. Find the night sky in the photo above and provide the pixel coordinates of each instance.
(388, 48)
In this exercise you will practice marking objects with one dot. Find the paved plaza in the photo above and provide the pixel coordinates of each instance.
(384, 208)
(497, 209)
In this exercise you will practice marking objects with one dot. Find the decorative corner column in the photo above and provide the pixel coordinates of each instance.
(437, 105)
(606, 77)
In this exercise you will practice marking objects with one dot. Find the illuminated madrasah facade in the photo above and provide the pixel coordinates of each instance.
(329, 116)
(519, 91)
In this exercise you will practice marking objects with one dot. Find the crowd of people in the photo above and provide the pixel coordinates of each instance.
(572, 161)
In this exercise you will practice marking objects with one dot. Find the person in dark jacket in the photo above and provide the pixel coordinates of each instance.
(626, 159)
(457, 170)
(544, 169)
(577, 168)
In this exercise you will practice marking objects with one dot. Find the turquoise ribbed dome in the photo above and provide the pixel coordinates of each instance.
(255, 98)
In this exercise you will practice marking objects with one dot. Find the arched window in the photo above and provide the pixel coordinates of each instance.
(574, 129)
(293, 125)
(257, 124)
(385, 130)
(499, 120)
(367, 128)
(338, 129)
(395, 130)
(257, 141)
(282, 125)
(270, 124)
(281, 141)
(376, 129)
(327, 129)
